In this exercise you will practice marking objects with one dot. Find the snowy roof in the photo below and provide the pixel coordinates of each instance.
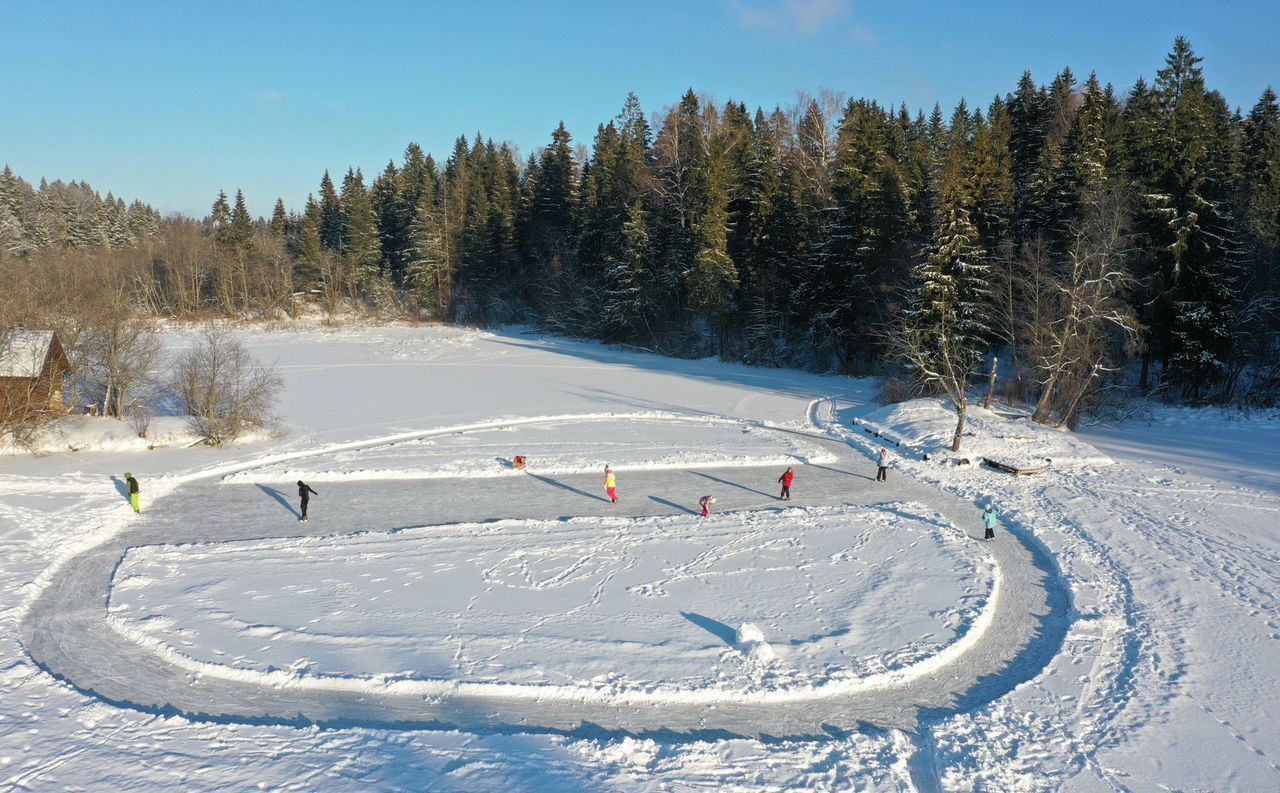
(23, 352)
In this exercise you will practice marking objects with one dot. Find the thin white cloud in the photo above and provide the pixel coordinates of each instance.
(269, 95)
(796, 17)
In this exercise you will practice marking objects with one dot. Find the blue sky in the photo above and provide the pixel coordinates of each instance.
(170, 102)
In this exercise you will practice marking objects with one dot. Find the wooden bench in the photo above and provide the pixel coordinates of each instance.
(1009, 469)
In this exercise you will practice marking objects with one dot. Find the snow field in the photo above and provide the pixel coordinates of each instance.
(925, 426)
(557, 445)
(1171, 578)
(1155, 671)
(623, 604)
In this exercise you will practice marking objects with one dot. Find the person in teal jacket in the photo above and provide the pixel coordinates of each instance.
(989, 519)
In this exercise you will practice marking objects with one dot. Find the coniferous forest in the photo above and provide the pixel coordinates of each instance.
(1094, 238)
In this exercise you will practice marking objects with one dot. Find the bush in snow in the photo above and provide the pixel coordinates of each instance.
(223, 389)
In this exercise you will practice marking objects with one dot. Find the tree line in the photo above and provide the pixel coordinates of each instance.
(1084, 233)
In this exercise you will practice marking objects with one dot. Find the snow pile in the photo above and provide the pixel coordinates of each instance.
(101, 434)
(105, 434)
(926, 426)
(750, 640)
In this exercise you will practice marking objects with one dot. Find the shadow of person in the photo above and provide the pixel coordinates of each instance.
(716, 628)
(121, 487)
(281, 499)
(842, 471)
(672, 504)
(554, 483)
(733, 484)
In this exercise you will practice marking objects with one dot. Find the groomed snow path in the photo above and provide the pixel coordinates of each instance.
(67, 633)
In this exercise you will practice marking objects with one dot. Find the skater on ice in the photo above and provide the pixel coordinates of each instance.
(882, 466)
(134, 492)
(989, 519)
(786, 479)
(611, 484)
(305, 493)
(706, 502)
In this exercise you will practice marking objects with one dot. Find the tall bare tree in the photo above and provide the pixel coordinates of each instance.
(1089, 305)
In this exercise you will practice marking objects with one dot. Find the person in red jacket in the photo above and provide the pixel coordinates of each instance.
(707, 502)
(786, 479)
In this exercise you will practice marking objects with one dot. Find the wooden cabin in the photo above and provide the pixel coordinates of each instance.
(33, 367)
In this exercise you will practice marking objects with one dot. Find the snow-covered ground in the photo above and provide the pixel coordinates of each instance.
(575, 602)
(1121, 634)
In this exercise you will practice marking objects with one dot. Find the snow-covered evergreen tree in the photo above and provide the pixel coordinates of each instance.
(945, 332)
(360, 242)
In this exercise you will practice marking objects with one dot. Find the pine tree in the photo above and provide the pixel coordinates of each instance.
(240, 228)
(945, 330)
(551, 218)
(626, 309)
(360, 242)
(604, 212)
(384, 196)
(1028, 116)
(455, 201)
(1261, 168)
(990, 183)
(417, 176)
(712, 277)
(1196, 252)
(309, 243)
(1088, 147)
(330, 215)
(220, 218)
(279, 219)
(429, 276)
(13, 237)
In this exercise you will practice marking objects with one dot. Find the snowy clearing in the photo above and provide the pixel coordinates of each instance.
(1120, 634)
(496, 602)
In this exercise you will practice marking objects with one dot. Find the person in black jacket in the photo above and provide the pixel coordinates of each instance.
(135, 496)
(305, 493)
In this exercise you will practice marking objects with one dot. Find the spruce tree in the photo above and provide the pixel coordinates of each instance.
(330, 215)
(279, 219)
(1261, 168)
(945, 330)
(1088, 147)
(220, 218)
(360, 241)
(13, 238)
(551, 220)
(239, 233)
(1196, 251)
(384, 197)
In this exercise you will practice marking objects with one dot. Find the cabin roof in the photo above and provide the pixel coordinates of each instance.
(23, 353)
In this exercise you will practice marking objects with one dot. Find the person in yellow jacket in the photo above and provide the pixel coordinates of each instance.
(611, 484)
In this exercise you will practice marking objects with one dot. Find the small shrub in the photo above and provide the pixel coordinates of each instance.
(223, 389)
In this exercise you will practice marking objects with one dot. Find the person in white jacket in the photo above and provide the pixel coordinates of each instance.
(882, 463)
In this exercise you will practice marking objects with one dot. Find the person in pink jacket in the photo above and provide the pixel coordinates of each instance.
(706, 502)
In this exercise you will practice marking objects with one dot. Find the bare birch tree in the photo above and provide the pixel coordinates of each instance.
(1089, 305)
